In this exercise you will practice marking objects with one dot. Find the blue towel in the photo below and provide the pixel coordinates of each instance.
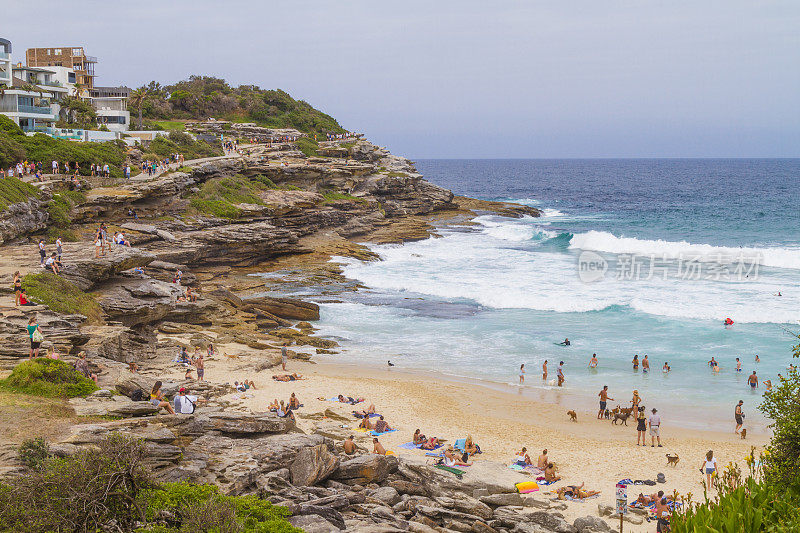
(379, 434)
(460, 444)
(431, 454)
(408, 446)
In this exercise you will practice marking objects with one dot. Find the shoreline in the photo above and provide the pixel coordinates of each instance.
(534, 391)
(592, 451)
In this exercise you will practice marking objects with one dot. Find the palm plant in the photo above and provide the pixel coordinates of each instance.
(137, 98)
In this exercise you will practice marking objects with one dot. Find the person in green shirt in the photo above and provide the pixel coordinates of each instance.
(33, 328)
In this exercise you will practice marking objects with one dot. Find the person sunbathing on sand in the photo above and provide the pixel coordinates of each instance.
(418, 438)
(365, 423)
(350, 400)
(575, 492)
(450, 458)
(364, 412)
(294, 403)
(381, 426)
(522, 458)
(274, 405)
(543, 460)
(431, 444)
(377, 447)
(288, 377)
(550, 473)
(470, 448)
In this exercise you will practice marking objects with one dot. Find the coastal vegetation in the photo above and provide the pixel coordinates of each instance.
(178, 142)
(109, 486)
(768, 498)
(61, 205)
(61, 296)
(15, 146)
(203, 97)
(13, 190)
(220, 197)
(50, 378)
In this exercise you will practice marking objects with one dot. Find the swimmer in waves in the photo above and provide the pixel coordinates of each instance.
(565, 343)
(728, 321)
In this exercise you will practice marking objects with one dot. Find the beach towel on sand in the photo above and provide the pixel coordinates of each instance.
(571, 499)
(458, 473)
(371, 415)
(379, 434)
(460, 444)
(412, 446)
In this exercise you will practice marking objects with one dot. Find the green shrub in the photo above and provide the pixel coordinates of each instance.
(782, 405)
(61, 296)
(219, 196)
(89, 491)
(66, 235)
(752, 506)
(13, 190)
(308, 146)
(182, 143)
(33, 452)
(48, 377)
(190, 503)
(332, 196)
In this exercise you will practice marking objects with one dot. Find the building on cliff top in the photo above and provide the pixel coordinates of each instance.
(72, 57)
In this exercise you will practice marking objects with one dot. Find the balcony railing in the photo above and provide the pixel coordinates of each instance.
(35, 109)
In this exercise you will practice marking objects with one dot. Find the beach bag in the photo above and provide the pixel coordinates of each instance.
(137, 395)
(37, 336)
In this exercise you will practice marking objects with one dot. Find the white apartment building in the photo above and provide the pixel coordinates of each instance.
(5, 62)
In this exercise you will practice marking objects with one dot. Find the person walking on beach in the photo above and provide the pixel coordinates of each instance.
(284, 355)
(645, 364)
(739, 416)
(544, 370)
(603, 399)
(522, 373)
(753, 380)
(655, 432)
(560, 373)
(709, 466)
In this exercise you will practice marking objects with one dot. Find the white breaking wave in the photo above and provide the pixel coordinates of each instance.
(601, 241)
(481, 267)
(518, 230)
(550, 212)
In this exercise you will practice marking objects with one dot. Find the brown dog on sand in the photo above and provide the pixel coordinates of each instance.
(573, 415)
(744, 433)
(672, 460)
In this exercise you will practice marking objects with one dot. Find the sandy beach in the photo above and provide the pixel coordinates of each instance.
(592, 451)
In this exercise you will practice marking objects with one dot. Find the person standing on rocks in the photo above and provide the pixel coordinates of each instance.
(284, 355)
(36, 337)
(201, 366)
(42, 252)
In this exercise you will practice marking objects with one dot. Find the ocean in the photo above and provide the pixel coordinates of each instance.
(629, 257)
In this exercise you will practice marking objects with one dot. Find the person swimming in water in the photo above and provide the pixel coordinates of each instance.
(738, 365)
(635, 362)
(758, 359)
(565, 343)
(666, 368)
(645, 364)
(753, 380)
(593, 361)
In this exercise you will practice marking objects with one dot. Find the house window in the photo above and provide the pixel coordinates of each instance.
(71, 77)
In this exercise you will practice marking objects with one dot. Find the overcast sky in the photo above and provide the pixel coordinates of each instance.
(472, 79)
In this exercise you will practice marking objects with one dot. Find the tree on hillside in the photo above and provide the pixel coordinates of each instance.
(137, 98)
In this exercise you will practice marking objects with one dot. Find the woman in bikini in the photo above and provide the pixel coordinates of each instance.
(157, 398)
(451, 460)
